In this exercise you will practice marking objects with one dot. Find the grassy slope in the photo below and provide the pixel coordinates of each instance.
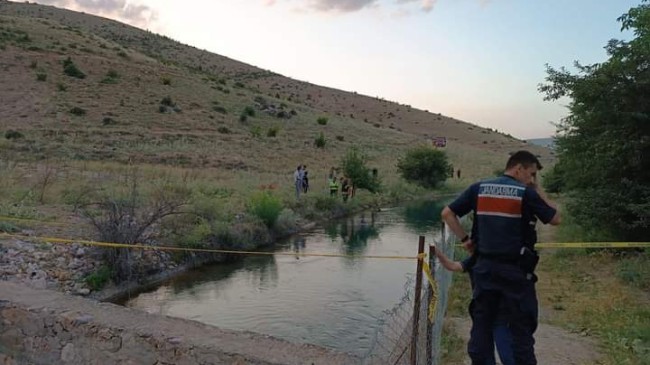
(199, 145)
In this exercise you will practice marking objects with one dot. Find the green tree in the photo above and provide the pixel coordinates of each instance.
(424, 166)
(354, 166)
(604, 143)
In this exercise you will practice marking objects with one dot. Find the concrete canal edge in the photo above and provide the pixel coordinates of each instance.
(47, 327)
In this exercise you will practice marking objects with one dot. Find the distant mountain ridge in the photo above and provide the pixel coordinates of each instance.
(544, 142)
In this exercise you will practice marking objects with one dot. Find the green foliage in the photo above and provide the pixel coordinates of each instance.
(61, 87)
(70, 69)
(634, 269)
(603, 145)
(166, 81)
(273, 131)
(553, 179)
(33, 64)
(243, 117)
(167, 101)
(77, 111)
(320, 141)
(249, 111)
(425, 166)
(108, 121)
(256, 131)
(111, 77)
(7, 227)
(98, 279)
(354, 167)
(219, 109)
(322, 121)
(340, 138)
(11, 134)
(265, 206)
(41, 76)
(224, 130)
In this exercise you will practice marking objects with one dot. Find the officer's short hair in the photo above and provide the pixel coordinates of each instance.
(525, 158)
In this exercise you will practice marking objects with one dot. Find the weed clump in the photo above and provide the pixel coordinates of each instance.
(70, 69)
(78, 111)
(11, 134)
(320, 141)
(322, 121)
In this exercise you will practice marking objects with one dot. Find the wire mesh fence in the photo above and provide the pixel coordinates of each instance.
(410, 332)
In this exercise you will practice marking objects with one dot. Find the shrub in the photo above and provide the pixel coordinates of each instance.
(108, 121)
(223, 130)
(424, 166)
(243, 117)
(340, 138)
(99, 278)
(167, 101)
(7, 227)
(354, 167)
(265, 206)
(61, 87)
(78, 111)
(256, 131)
(166, 81)
(122, 54)
(33, 64)
(219, 109)
(111, 77)
(41, 76)
(322, 121)
(554, 179)
(273, 131)
(250, 111)
(239, 84)
(70, 69)
(11, 134)
(287, 221)
(320, 141)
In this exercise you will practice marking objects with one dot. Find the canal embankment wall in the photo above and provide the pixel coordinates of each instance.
(48, 327)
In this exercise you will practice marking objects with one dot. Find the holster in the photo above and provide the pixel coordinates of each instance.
(528, 260)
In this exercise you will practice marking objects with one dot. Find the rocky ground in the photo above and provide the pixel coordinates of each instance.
(64, 267)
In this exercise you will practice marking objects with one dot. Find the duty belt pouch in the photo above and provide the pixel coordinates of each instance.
(528, 260)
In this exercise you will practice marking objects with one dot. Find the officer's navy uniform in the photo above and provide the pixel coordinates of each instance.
(503, 274)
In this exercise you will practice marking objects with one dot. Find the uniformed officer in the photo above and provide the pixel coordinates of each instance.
(503, 275)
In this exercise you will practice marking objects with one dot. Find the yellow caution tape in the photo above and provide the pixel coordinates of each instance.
(593, 245)
(188, 249)
(590, 245)
(433, 303)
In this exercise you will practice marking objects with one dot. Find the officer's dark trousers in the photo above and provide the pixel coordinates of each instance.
(503, 285)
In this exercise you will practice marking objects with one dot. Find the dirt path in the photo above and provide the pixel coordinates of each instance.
(555, 346)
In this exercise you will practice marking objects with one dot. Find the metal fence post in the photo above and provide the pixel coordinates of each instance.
(432, 267)
(416, 300)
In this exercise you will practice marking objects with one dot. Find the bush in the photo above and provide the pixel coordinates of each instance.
(424, 166)
(340, 138)
(249, 111)
(287, 221)
(11, 134)
(265, 206)
(122, 54)
(243, 117)
(219, 109)
(256, 131)
(78, 111)
(354, 167)
(99, 278)
(320, 141)
(322, 121)
(273, 131)
(7, 227)
(70, 69)
(61, 87)
(111, 77)
(166, 81)
(553, 179)
(108, 121)
(223, 130)
(41, 76)
(167, 101)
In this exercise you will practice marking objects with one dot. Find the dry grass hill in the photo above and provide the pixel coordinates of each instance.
(169, 108)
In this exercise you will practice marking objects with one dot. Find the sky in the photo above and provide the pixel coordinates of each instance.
(480, 61)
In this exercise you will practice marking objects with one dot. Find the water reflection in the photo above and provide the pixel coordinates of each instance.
(330, 301)
(423, 216)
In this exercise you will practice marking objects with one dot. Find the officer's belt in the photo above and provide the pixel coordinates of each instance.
(500, 257)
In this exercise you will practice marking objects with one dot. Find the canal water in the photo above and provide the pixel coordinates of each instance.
(335, 302)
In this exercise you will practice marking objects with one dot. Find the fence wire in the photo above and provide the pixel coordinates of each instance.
(394, 340)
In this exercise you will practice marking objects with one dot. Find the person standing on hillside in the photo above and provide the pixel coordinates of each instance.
(504, 272)
(305, 179)
(297, 180)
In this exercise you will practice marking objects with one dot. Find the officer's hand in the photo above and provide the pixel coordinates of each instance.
(469, 246)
